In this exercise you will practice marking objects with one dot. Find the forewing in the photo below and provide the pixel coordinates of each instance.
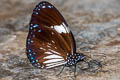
(46, 14)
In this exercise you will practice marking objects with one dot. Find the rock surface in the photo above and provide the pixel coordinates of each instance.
(96, 28)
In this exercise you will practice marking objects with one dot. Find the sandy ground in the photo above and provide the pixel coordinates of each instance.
(96, 28)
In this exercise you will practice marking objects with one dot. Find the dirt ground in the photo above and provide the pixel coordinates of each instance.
(96, 28)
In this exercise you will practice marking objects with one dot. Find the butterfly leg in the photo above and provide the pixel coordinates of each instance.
(61, 70)
(75, 71)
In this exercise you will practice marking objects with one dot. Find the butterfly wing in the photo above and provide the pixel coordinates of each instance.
(49, 40)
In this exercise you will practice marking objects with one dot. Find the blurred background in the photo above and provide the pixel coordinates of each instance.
(94, 23)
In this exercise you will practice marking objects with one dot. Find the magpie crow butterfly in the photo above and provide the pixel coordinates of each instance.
(50, 43)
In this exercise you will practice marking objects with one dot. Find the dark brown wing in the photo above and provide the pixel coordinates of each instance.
(49, 39)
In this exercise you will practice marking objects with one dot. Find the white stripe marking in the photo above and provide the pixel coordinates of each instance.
(54, 51)
(50, 64)
(53, 41)
(55, 65)
(48, 46)
(53, 60)
(53, 56)
(41, 48)
(67, 29)
(48, 53)
(49, 43)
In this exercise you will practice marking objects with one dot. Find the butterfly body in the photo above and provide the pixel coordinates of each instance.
(73, 60)
(50, 43)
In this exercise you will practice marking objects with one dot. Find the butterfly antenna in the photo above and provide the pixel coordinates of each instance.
(90, 61)
(61, 70)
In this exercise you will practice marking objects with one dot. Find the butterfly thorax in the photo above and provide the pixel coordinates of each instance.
(73, 59)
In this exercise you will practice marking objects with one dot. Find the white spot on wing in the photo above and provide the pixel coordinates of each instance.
(55, 47)
(52, 33)
(53, 60)
(52, 27)
(53, 41)
(53, 56)
(61, 28)
(31, 41)
(43, 6)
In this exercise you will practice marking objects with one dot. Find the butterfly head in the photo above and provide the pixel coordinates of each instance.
(73, 59)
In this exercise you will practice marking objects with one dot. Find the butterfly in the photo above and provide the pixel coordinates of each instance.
(50, 43)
